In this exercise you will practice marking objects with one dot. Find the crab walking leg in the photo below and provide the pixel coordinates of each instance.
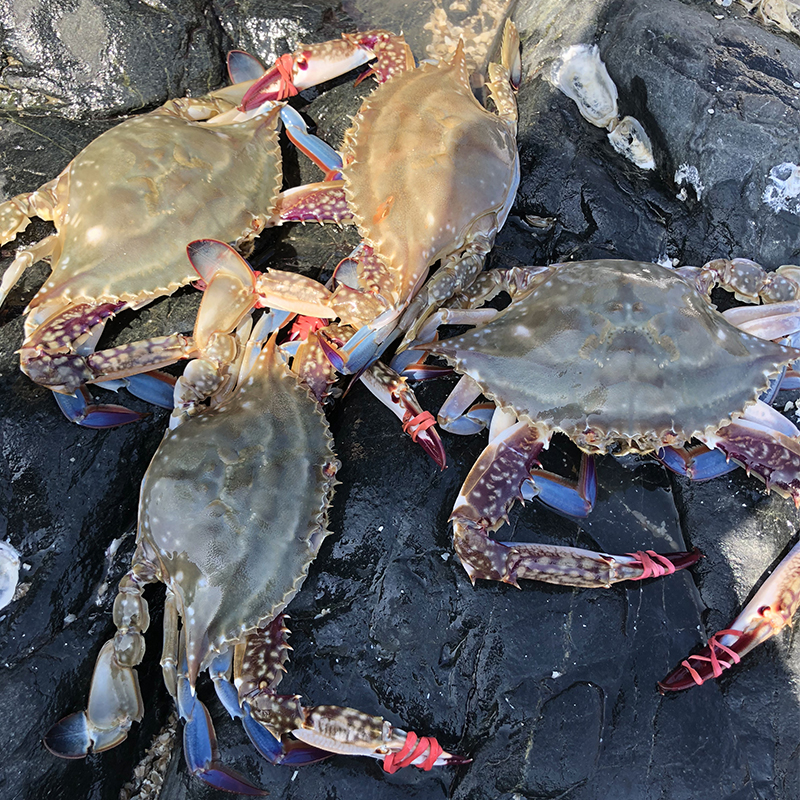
(491, 487)
(15, 216)
(770, 610)
(748, 280)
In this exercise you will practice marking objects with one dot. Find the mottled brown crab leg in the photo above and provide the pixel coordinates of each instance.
(489, 490)
(748, 280)
(766, 444)
(770, 610)
(297, 734)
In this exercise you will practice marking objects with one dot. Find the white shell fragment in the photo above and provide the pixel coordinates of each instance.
(688, 175)
(9, 573)
(629, 139)
(581, 74)
(783, 188)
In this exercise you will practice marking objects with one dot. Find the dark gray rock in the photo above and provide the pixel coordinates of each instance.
(551, 691)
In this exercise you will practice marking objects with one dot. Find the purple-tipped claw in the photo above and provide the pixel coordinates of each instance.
(709, 663)
(430, 441)
(220, 777)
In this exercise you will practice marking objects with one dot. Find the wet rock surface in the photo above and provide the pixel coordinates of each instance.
(551, 691)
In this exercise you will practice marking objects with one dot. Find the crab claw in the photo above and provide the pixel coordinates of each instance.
(351, 732)
(393, 392)
(314, 64)
(770, 610)
(497, 479)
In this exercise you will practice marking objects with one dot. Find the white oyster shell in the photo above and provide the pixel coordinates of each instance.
(581, 74)
(629, 139)
(9, 573)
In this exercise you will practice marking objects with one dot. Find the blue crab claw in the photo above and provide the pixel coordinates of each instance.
(392, 391)
(79, 409)
(394, 747)
(316, 63)
(770, 610)
(498, 479)
(202, 755)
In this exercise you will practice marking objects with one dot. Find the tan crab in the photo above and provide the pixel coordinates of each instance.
(427, 174)
(127, 205)
(233, 511)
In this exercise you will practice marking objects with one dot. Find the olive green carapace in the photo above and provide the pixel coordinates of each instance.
(627, 350)
(234, 506)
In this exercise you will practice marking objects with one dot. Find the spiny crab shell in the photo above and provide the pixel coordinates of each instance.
(154, 180)
(418, 140)
(620, 356)
(254, 479)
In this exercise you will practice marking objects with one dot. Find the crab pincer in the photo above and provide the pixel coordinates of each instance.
(770, 610)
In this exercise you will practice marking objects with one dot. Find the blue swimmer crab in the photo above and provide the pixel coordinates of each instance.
(427, 174)
(127, 205)
(621, 357)
(233, 510)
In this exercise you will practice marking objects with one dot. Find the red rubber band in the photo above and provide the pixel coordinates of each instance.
(304, 326)
(391, 762)
(285, 65)
(412, 749)
(433, 754)
(717, 665)
(286, 88)
(415, 425)
(654, 565)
